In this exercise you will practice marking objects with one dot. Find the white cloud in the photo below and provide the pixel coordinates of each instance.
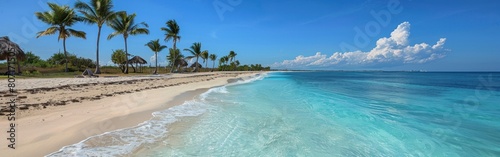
(152, 59)
(392, 50)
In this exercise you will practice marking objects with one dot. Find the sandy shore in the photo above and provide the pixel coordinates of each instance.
(60, 112)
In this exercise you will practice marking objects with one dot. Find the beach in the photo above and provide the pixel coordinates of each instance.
(63, 111)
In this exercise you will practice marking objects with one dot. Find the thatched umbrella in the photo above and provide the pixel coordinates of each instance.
(6, 47)
(196, 65)
(137, 60)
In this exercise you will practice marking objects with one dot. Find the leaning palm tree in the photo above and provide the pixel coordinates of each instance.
(60, 19)
(232, 57)
(195, 50)
(204, 56)
(98, 12)
(124, 24)
(213, 57)
(172, 33)
(156, 47)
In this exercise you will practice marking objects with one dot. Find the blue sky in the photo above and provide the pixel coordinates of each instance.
(295, 34)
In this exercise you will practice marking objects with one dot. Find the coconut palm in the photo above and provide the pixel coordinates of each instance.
(237, 63)
(221, 63)
(204, 56)
(213, 57)
(156, 47)
(195, 50)
(175, 58)
(125, 24)
(60, 19)
(98, 12)
(224, 60)
(172, 33)
(232, 57)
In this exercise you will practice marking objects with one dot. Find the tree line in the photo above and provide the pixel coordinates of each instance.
(100, 13)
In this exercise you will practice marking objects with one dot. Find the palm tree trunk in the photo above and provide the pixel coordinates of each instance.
(65, 55)
(175, 58)
(213, 66)
(156, 60)
(206, 64)
(126, 56)
(97, 68)
(196, 65)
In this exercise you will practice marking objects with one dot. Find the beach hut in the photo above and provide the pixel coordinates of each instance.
(137, 60)
(6, 47)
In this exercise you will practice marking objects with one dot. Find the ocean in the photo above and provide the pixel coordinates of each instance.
(321, 114)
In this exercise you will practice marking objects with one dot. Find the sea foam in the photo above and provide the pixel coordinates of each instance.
(125, 141)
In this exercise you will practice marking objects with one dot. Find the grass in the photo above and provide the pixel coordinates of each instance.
(58, 72)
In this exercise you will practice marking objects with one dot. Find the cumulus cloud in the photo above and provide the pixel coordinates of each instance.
(392, 50)
(152, 59)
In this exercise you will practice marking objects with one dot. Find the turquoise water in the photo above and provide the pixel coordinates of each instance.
(326, 114)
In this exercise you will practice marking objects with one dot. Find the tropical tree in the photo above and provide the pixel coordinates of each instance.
(224, 60)
(195, 50)
(156, 47)
(172, 33)
(232, 57)
(60, 19)
(204, 56)
(118, 57)
(175, 58)
(125, 25)
(213, 57)
(98, 12)
(221, 63)
(237, 63)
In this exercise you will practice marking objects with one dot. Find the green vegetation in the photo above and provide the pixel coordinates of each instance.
(156, 47)
(60, 19)
(124, 25)
(195, 50)
(98, 12)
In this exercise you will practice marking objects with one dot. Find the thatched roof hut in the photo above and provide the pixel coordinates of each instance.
(6, 47)
(6, 44)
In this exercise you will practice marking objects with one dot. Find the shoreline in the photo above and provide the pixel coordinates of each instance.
(39, 134)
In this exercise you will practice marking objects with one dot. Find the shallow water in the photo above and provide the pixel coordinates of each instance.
(323, 114)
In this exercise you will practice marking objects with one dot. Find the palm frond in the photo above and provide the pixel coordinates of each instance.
(80, 34)
(48, 31)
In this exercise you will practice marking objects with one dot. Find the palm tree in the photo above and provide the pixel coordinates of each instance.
(124, 24)
(224, 60)
(60, 19)
(195, 49)
(172, 33)
(232, 57)
(213, 57)
(204, 56)
(237, 63)
(98, 12)
(175, 58)
(155, 46)
(221, 63)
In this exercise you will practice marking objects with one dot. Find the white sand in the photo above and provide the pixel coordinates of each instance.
(43, 131)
